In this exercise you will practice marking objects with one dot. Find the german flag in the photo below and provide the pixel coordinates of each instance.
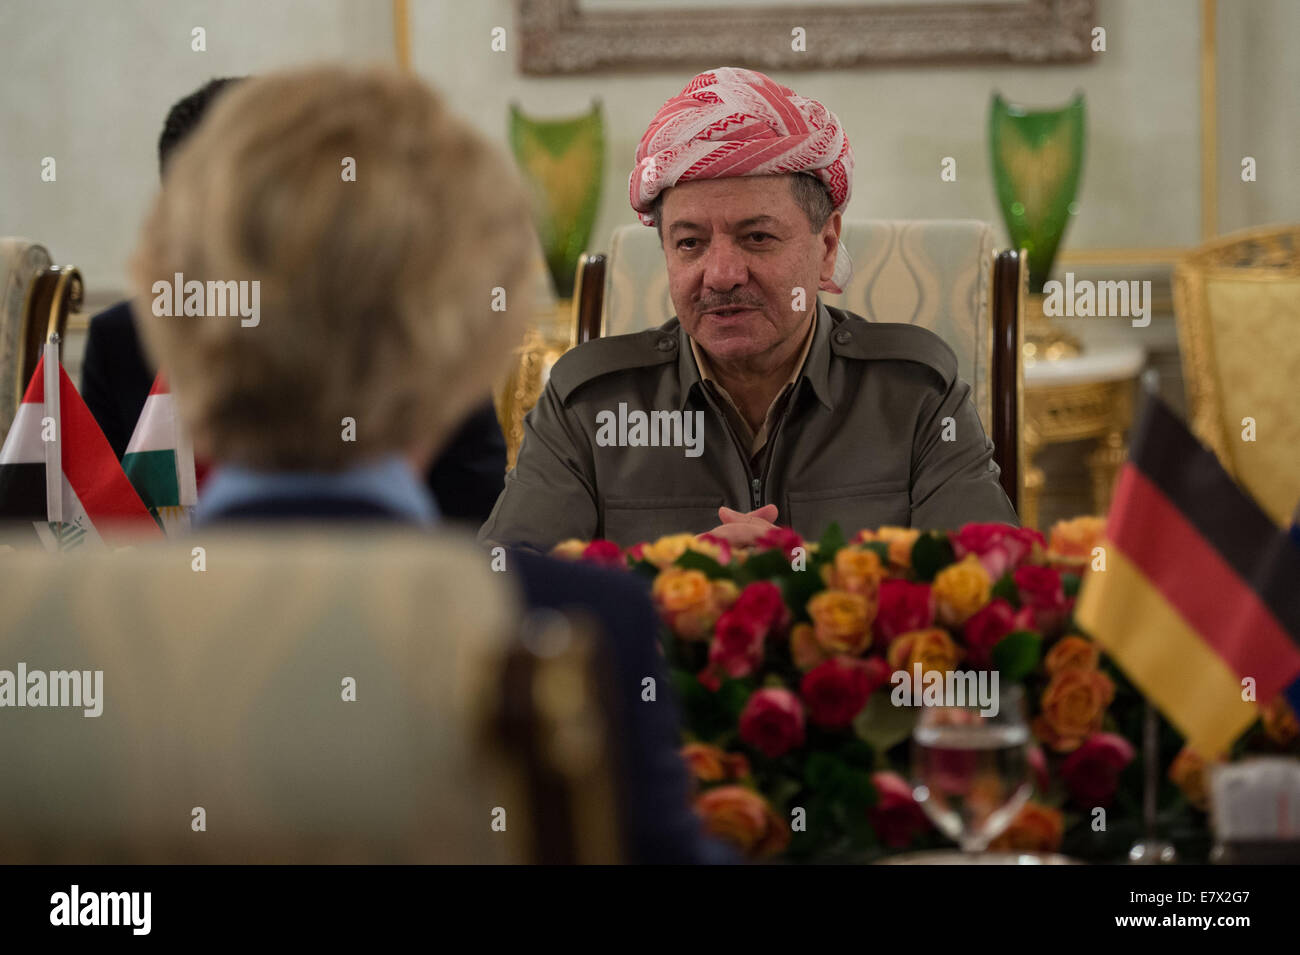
(1201, 590)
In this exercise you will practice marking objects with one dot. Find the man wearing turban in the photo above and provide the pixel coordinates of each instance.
(757, 405)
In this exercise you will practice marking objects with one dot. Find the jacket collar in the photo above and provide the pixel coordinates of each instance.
(816, 368)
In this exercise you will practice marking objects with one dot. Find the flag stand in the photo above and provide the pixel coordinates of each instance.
(1151, 849)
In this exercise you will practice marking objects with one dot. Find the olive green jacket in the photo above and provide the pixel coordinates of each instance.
(878, 430)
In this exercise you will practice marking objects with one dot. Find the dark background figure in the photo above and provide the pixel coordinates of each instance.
(466, 477)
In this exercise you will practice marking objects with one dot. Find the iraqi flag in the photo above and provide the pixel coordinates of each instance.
(159, 461)
(58, 471)
(1199, 601)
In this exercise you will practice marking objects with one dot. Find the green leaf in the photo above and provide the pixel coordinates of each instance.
(1070, 583)
(824, 773)
(832, 540)
(733, 695)
(694, 560)
(882, 724)
(798, 589)
(645, 568)
(1007, 590)
(764, 566)
(931, 554)
(1017, 654)
(881, 549)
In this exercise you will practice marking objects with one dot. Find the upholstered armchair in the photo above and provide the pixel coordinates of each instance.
(35, 299)
(1237, 301)
(353, 698)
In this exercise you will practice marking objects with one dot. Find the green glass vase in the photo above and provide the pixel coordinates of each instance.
(1037, 161)
(563, 164)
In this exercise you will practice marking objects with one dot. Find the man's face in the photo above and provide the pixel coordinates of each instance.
(737, 249)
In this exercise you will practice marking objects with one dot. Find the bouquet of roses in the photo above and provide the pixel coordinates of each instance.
(785, 657)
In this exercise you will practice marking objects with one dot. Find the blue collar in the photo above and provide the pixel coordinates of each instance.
(387, 482)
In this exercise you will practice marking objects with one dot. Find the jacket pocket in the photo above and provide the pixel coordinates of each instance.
(632, 520)
(854, 508)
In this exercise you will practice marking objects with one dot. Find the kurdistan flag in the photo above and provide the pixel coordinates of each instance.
(159, 461)
(58, 471)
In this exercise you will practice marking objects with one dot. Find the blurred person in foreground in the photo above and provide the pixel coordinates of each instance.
(465, 477)
(375, 306)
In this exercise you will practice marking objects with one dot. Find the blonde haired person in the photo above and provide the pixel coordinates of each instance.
(374, 303)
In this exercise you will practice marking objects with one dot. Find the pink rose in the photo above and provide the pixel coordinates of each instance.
(1091, 772)
(737, 647)
(772, 722)
(783, 539)
(1042, 592)
(989, 625)
(837, 690)
(762, 604)
(605, 553)
(722, 545)
(1038, 763)
(904, 607)
(999, 547)
(896, 816)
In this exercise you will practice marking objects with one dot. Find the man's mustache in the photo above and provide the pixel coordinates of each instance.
(728, 303)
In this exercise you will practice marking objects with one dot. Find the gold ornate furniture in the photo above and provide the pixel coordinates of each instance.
(35, 299)
(301, 698)
(945, 275)
(1086, 397)
(1238, 305)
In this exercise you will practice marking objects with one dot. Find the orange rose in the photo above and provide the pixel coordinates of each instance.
(842, 621)
(1074, 652)
(933, 649)
(1072, 708)
(960, 590)
(1070, 543)
(709, 764)
(743, 818)
(1190, 772)
(1279, 722)
(901, 540)
(855, 571)
(689, 602)
(570, 549)
(805, 651)
(1036, 828)
(665, 551)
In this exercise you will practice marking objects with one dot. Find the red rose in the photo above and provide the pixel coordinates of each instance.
(763, 606)
(837, 690)
(721, 543)
(772, 722)
(1038, 763)
(737, 647)
(1043, 594)
(605, 553)
(1091, 772)
(989, 625)
(999, 547)
(904, 607)
(896, 816)
(783, 539)
(709, 680)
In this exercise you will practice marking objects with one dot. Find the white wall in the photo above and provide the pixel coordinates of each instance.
(89, 82)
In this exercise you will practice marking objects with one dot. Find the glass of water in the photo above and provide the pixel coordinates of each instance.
(970, 771)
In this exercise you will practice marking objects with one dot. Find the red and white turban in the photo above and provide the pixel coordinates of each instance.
(734, 122)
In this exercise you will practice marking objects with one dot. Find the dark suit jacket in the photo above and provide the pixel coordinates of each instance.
(465, 479)
(661, 828)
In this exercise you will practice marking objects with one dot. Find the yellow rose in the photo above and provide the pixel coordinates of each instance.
(855, 571)
(689, 602)
(933, 649)
(1036, 828)
(901, 540)
(1279, 722)
(709, 764)
(667, 549)
(1190, 772)
(570, 549)
(1072, 651)
(743, 818)
(960, 590)
(1072, 707)
(805, 651)
(1070, 543)
(842, 621)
